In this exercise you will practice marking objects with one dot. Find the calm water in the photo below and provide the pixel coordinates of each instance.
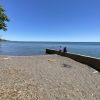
(38, 48)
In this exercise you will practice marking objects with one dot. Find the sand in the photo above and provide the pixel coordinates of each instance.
(47, 77)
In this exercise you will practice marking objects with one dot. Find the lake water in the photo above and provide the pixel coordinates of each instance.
(38, 48)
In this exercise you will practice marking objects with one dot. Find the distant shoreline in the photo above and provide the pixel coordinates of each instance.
(3, 40)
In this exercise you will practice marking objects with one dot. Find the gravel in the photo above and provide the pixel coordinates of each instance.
(47, 77)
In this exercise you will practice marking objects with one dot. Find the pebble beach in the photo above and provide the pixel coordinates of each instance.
(47, 77)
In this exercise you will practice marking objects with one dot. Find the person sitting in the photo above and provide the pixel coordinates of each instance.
(65, 50)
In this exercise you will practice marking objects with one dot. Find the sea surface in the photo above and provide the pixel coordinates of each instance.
(38, 48)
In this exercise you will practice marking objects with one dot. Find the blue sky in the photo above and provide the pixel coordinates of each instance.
(53, 20)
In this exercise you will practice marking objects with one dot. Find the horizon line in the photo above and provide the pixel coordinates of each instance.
(50, 41)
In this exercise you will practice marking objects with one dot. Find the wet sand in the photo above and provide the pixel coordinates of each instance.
(47, 77)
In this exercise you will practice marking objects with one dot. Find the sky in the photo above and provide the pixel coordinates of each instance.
(52, 20)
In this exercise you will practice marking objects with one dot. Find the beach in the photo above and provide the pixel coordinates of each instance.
(47, 77)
